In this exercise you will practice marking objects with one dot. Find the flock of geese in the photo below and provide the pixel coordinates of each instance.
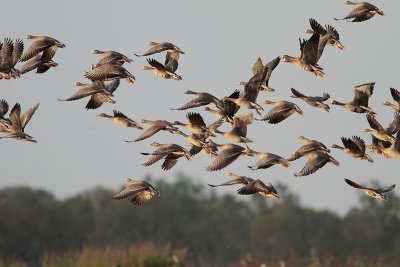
(105, 76)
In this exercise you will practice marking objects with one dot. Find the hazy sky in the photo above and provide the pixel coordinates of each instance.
(77, 151)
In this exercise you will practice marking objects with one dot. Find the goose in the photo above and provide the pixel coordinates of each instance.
(169, 152)
(156, 126)
(257, 186)
(229, 153)
(311, 146)
(311, 50)
(140, 191)
(40, 44)
(10, 54)
(160, 47)
(121, 119)
(314, 101)
(237, 180)
(378, 193)
(381, 133)
(362, 11)
(109, 72)
(194, 139)
(18, 123)
(202, 99)
(228, 109)
(359, 104)
(396, 96)
(376, 145)
(316, 160)
(334, 40)
(238, 132)
(209, 148)
(196, 124)
(111, 57)
(267, 160)
(258, 67)
(99, 93)
(164, 71)
(37, 63)
(280, 111)
(354, 147)
(391, 151)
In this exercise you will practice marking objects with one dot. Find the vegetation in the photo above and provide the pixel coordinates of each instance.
(91, 229)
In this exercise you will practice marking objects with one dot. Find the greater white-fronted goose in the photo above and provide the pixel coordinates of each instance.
(267, 160)
(140, 191)
(196, 124)
(111, 57)
(228, 109)
(194, 139)
(10, 54)
(381, 133)
(18, 123)
(237, 180)
(257, 186)
(334, 40)
(391, 151)
(38, 64)
(362, 11)
(316, 160)
(311, 50)
(311, 146)
(156, 126)
(229, 153)
(209, 149)
(40, 44)
(99, 93)
(202, 99)
(109, 72)
(160, 47)
(121, 119)
(280, 111)
(359, 104)
(376, 145)
(314, 101)
(169, 152)
(354, 147)
(164, 71)
(396, 96)
(258, 67)
(378, 193)
(238, 133)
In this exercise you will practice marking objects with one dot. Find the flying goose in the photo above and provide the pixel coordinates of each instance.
(362, 11)
(202, 99)
(359, 104)
(40, 44)
(257, 186)
(354, 147)
(229, 153)
(267, 160)
(237, 180)
(109, 72)
(280, 111)
(381, 133)
(156, 126)
(140, 191)
(316, 160)
(121, 119)
(112, 57)
(18, 123)
(334, 40)
(228, 109)
(196, 124)
(314, 101)
(10, 54)
(378, 193)
(311, 146)
(37, 63)
(396, 96)
(160, 47)
(169, 152)
(238, 133)
(311, 50)
(165, 71)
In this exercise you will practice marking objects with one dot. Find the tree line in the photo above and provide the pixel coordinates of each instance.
(216, 230)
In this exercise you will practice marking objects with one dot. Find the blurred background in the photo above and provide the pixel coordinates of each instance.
(56, 194)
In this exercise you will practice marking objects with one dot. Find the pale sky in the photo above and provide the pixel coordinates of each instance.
(77, 151)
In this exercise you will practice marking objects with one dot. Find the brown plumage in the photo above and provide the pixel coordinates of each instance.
(140, 191)
(362, 11)
(378, 193)
(354, 147)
